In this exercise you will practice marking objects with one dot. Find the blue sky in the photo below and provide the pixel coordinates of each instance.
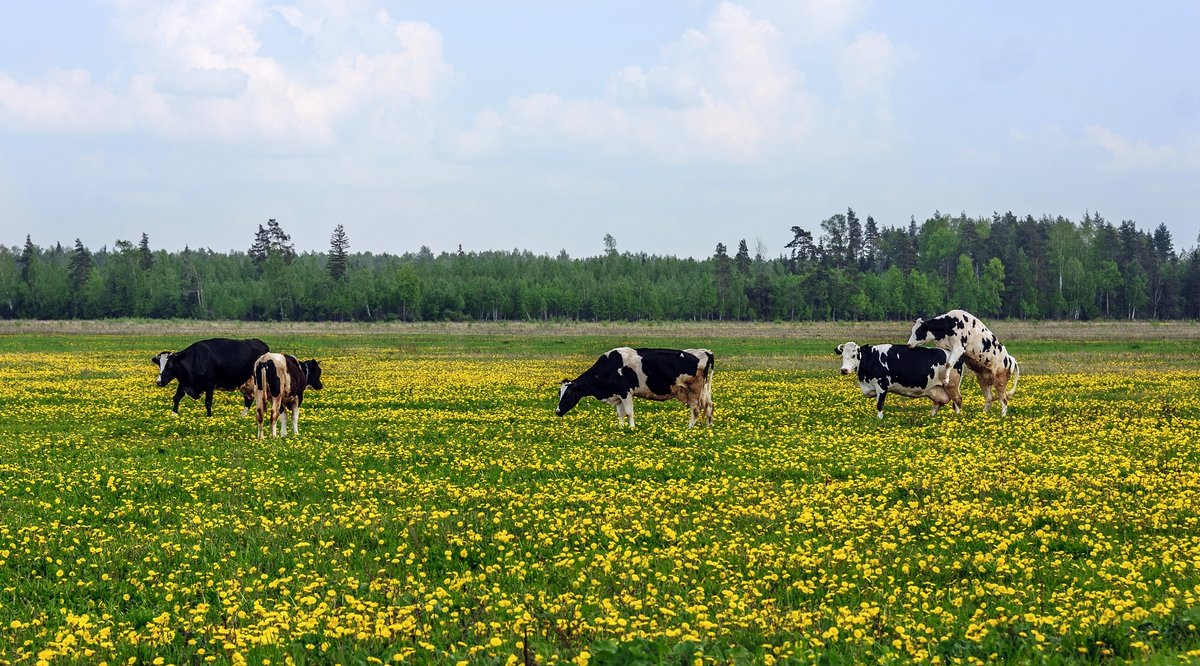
(545, 125)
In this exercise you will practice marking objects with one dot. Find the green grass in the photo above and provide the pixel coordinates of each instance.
(432, 489)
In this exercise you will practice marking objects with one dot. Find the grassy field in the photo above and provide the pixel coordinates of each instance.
(434, 510)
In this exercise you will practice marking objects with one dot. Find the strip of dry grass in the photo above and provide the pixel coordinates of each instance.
(1008, 330)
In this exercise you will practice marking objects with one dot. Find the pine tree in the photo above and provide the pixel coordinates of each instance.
(80, 266)
(871, 245)
(145, 256)
(338, 244)
(854, 238)
(261, 246)
(742, 258)
(26, 258)
(280, 242)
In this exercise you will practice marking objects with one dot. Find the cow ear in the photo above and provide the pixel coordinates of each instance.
(839, 349)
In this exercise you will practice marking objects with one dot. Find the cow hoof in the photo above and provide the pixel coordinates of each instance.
(174, 415)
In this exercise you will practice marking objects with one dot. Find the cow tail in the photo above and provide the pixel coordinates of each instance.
(260, 382)
(272, 379)
(708, 373)
(1016, 378)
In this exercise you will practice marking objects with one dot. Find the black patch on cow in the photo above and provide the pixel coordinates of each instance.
(663, 366)
(312, 372)
(216, 363)
(266, 378)
(908, 367)
(603, 380)
(937, 328)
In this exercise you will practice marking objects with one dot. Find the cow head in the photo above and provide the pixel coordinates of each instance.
(935, 329)
(166, 370)
(312, 370)
(569, 395)
(850, 353)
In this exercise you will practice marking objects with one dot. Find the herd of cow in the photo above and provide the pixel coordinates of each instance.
(271, 382)
(275, 383)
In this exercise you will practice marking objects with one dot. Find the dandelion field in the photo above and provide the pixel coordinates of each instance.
(434, 510)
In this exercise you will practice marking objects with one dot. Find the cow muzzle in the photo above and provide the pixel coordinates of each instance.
(160, 382)
(845, 371)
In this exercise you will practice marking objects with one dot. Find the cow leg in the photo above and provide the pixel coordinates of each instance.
(939, 397)
(259, 413)
(879, 404)
(178, 397)
(296, 419)
(620, 413)
(208, 401)
(628, 400)
(987, 394)
(1001, 384)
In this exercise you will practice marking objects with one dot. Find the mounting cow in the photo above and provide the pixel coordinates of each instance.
(933, 373)
(279, 383)
(991, 362)
(655, 374)
(207, 365)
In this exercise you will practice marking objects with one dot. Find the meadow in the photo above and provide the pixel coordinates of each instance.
(434, 510)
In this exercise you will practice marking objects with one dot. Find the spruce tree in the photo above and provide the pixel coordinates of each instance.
(338, 244)
(145, 256)
(26, 259)
(80, 266)
(742, 259)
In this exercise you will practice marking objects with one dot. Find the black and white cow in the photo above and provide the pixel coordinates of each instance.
(991, 362)
(655, 374)
(207, 365)
(914, 373)
(279, 383)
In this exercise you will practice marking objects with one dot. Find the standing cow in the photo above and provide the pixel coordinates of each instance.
(207, 365)
(933, 373)
(279, 383)
(655, 374)
(991, 362)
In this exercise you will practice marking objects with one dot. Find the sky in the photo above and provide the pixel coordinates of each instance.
(544, 125)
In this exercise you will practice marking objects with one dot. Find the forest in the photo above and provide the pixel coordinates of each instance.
(1006, 266)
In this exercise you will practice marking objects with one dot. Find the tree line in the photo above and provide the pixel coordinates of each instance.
(1002, 266)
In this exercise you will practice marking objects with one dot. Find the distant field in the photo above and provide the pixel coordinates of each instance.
(434, 509)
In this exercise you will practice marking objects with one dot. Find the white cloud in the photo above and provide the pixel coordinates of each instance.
(1127, 155)
(65, 100)
(198, 70)
(725, 92)
(818, 21)
(866, 66)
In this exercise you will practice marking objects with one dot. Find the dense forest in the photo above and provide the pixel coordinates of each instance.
(1005, 266)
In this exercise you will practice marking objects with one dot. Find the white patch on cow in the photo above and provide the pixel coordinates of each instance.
(162, 365)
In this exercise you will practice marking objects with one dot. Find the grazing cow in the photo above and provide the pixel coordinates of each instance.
(655, 374)
(934, 373)
(279, 383)
(984, 354)
(202, 367)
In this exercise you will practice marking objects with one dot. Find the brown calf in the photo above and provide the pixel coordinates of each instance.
(279, 383)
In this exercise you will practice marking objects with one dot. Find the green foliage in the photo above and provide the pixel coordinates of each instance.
(1000, 267)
